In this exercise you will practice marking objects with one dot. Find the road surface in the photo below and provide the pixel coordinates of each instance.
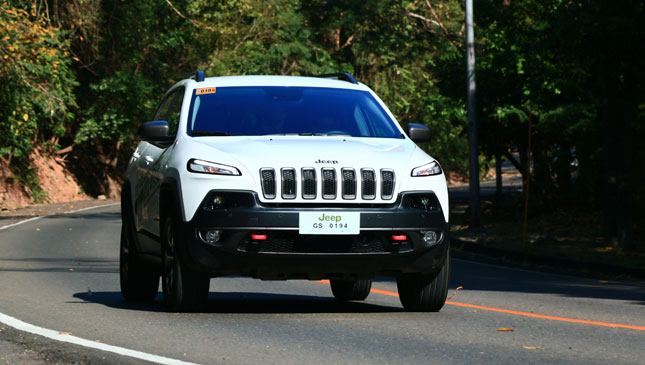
(61, 273)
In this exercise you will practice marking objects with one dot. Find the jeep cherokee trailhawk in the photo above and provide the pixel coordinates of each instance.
(282, 177)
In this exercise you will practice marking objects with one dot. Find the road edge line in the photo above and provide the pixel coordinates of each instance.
(62, 337)
(23, 221)
(49, 215)
(88, 208)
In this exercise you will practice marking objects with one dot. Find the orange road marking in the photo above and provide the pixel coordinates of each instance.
(554, 318)
(384, 292)
(518, 313)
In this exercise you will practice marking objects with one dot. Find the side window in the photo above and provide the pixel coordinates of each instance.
(162, 111)
(174, 109)
(170, 109)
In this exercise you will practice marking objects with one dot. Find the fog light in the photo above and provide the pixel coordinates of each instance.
(430, 238)
(213, 236)
(215, 202)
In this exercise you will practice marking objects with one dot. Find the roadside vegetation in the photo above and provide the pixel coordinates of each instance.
(78, 77)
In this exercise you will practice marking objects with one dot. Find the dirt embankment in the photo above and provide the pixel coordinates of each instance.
(55, 180)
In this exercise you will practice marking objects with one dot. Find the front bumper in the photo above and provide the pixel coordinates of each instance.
(286, 254)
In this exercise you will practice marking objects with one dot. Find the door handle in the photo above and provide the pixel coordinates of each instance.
(148, 159)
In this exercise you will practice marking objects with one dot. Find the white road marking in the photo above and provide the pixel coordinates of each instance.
(21, 222)
(57, 336)
(43, 216)
(88, 208)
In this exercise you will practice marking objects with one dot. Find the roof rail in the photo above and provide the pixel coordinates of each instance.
(344, 76)
(197, 76)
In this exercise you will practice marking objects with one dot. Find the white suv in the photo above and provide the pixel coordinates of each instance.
(282, 177)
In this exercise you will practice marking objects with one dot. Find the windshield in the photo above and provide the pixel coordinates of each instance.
(280, 110)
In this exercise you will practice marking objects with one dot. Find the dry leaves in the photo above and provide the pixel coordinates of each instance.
(455, 293)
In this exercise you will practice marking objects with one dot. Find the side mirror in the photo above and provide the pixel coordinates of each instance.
(156, 131)
(418, 133)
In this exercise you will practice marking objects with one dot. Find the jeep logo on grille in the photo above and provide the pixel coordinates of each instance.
(333, 162)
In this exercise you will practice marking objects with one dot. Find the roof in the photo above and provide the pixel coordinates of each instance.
(302, 81)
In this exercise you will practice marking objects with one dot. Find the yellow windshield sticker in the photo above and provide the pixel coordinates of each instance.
(205, 90)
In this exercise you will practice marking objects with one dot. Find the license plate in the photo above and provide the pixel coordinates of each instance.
(329, 223)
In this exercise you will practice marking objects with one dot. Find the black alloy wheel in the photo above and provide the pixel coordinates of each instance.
(183, 289)
(137, 282)
(425, 293)
(351, 289)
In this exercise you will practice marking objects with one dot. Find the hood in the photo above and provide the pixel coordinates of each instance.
(312, 151)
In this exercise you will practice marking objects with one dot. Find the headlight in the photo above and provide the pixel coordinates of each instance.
(205, 167)
(430, 169)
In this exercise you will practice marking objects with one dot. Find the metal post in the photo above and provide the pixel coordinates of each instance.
(498, 176)
(472, 123)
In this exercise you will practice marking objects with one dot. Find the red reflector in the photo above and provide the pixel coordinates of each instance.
(258, 237)
(399, 237)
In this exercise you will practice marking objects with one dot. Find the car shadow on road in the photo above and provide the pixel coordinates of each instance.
(474, 276)
(244, 302)
(112, 217)
(484, 277)
(71, 265)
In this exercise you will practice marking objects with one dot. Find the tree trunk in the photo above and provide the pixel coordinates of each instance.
(616, 163)
(562, 168)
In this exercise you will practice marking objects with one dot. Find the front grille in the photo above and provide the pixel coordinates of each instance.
(387, 184)
(328, 183)
(308, 183)
(349, 184)
(368, 184)
(288, 183)
(329, 180)
(268, 183)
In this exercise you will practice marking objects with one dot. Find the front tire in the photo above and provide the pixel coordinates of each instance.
(425, 293)
(351, 289)
(183, 289)
(137, 283)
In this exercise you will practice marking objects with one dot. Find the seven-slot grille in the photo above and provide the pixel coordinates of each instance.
(329, 183)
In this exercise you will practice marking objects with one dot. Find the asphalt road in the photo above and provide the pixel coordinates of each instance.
(61, 273)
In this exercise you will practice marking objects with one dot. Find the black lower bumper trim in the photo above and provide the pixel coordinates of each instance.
(283, 253)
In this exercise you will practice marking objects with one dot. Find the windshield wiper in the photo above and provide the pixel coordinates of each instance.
(309, 134)
(208, 133)
(292, 134)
